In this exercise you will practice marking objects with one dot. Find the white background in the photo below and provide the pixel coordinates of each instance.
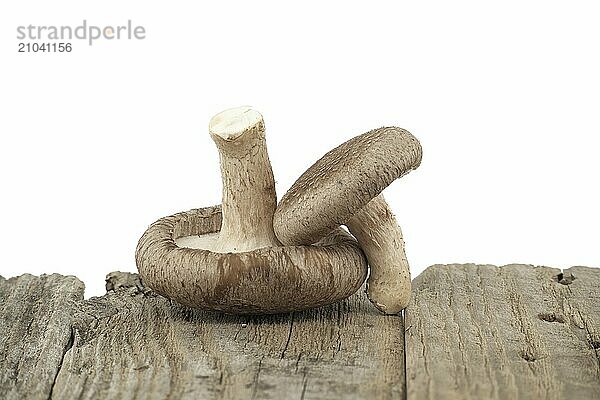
(505, 98)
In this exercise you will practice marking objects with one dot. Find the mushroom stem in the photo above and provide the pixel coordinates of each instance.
(249, 198)
(380, 237)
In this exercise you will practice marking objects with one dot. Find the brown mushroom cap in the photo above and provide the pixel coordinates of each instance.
(342, 182)
(265, 280)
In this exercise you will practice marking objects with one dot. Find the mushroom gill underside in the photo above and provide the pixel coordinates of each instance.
(264, 281)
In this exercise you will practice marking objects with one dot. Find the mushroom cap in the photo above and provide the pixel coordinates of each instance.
(267, 281)
(342, 182)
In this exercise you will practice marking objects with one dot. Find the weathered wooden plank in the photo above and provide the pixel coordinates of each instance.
(479, 331)
(472, 332)
(132, 344)
(35, 332)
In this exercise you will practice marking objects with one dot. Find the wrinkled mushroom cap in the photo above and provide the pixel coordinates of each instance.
(266, 280)
(342, 182)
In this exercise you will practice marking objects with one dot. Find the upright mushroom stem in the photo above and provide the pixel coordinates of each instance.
(249, 198)
(380, 237)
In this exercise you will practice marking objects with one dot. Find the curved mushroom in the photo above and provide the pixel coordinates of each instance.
(228, 258)
(343, 188)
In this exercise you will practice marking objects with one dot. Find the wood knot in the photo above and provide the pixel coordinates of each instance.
(564, 279)
(527, 356)
(594, 343)
(118, 281)
(552, 317)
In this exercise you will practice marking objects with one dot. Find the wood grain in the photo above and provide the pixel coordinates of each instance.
(133, 343)
(472, 331)
(35, 332)
(480, 331)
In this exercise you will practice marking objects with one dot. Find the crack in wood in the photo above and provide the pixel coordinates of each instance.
(66, 349)
(289, 337)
